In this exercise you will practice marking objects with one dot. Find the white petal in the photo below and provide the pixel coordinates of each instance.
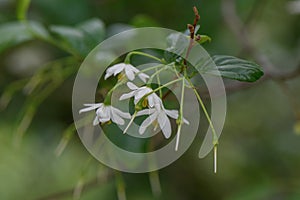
(151, 101)
(172, 113)
(132, 86)
(114, 70)
(103, 113)
(96, 121)
(103, 120)
(147, 122)
(127, 96)
(121, 113)
(116, 118)
(119, 69)
(142, 92)
(129, 73)
(164, 124)
(143, 77)
(107, 75)
(91, 107)
(132, 68)
(145, 112)
(186, 121)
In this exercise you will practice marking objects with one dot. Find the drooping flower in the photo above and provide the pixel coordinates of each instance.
(105, 113)
(159, 115)
(139, 92)
(130, 72)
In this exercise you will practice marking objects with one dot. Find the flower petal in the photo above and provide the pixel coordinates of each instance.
(103, 113)
(142, 92)
(145, 112)
(172, 113)
(164, 124)
(90, 107)
(132, 86)
(96, 121)
(116, 118)
(129, 73)
(151, 101)
(127, 95)
(121, 113)
(147, 122)
(143, 77)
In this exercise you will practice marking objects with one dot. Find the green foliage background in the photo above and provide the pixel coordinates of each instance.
(259, 151)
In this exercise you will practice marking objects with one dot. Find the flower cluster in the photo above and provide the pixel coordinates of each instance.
(146, 102)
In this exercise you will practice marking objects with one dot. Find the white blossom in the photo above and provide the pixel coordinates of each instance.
(105, 113)
(159, 115)
(130, 72)
(139, 92)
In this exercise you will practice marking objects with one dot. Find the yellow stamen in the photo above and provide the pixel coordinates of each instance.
(145, 103)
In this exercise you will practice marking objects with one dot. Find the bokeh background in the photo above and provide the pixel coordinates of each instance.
(41, 156)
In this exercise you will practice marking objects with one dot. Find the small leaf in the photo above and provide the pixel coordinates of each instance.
(14, 33)
(236, 68)
(82, 38)
(22, 8)
(204, 39)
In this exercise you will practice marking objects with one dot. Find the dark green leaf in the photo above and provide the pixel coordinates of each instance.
(235, 68)
(15, 33)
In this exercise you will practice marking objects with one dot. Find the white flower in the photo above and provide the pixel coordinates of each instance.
(160, 115)
(105, 113)
(139, 93)
(130, 72)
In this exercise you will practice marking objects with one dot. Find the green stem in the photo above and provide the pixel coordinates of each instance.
(127, 59)
(180, 117)
(165, 85)
(215, 137)
(107, 99)
(154, 74)
(120, 186)
(150, 68)
(131, 121)
(158, 82)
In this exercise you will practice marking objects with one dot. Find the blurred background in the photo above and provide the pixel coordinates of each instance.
(41, 156)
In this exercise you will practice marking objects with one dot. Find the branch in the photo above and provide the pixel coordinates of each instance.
(239, 29)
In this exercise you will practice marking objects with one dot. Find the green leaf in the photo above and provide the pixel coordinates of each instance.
(236, 68)
(82, 38)
(15, 33)
(22, 8)
(204, 39)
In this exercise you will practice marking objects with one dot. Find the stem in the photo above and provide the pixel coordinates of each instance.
(127, 59)
(131, 121)
(150, 68)
(215, 137)
(155, 183)
(180, 115)
(158, 82)
(165, 85)
(120, 186)
(154, 74)
(107, 99)
(215, 158)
